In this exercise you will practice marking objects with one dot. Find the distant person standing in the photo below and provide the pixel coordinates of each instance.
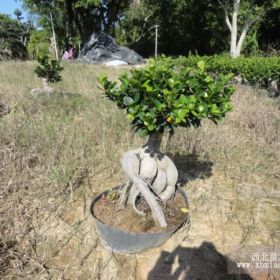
(68, 54)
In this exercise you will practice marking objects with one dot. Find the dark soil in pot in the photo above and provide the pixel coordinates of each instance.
(106, 210)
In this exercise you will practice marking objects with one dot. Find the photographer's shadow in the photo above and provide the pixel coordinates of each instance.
(197, 263)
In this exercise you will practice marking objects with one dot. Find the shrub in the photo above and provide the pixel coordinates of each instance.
(49, 69)
(163, 96)
(39, 44)
(256, 70)
(13, 38)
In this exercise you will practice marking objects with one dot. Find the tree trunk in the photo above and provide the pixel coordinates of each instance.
(235, 43)
(234, 29)
(79, 26)
(241, 40)
(69, 24)
(154, 142)
(45, 83)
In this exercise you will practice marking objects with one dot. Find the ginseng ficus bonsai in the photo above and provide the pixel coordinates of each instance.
(158, 98)
(49, 71)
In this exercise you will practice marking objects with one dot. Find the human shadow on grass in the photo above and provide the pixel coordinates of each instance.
(190, 167)
(197, 263)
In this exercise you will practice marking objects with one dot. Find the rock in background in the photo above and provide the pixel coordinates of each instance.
(102, 48)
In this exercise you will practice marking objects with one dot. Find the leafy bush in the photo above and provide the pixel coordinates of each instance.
(39, 44)
(256, 70)
(13, 38)
(49, 69)
(165, 96)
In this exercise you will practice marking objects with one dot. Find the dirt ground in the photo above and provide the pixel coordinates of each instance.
(200, 250)
(57, 153)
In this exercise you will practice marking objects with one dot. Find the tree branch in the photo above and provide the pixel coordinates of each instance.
(224, 4)
(144, 31)
(236, 5)
(248, 23)
(227, 20)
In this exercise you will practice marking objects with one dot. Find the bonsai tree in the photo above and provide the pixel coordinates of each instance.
(160, 98)
(49, 71)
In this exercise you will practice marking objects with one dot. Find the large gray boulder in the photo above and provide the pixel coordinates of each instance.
(102, 48)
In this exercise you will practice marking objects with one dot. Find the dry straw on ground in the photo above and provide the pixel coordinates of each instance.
(58, 151)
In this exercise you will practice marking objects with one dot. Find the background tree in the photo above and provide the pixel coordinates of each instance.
(77, 18)
(136, 29)
(18, 14)
(185, 25)
(39, 43)
(13, 38)
(197, 26)
(268, 35)
(243, 13)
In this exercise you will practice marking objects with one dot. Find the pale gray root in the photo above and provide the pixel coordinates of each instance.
(132, 192)
(160, 182)
(132, 197)
(148, 171)
(42, 90)
(133, 202)
(124, 192)
(46, 89)
(152, 175)
(148, 168)
(129, 162)
(171, 172)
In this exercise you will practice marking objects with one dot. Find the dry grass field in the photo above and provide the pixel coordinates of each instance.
(59, 151)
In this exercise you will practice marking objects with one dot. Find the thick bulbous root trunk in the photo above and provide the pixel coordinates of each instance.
(46, 89)
(151, 175)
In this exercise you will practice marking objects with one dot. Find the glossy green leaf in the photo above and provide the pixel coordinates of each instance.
(127, 100)
(201, 64)
(183, 99)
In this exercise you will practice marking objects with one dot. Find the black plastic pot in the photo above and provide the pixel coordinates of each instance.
(122, 241)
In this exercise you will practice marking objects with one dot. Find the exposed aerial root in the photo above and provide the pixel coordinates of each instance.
(133, 203)
(46, 89)
(124, 192)
(151, 175)
(42, 90)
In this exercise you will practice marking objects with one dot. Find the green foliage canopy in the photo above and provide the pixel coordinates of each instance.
(184, 26)
(77, 18)
(13, 38)
(39, 43)
(258, 71)
(163, 96)
(196, 26)
(49, 69)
